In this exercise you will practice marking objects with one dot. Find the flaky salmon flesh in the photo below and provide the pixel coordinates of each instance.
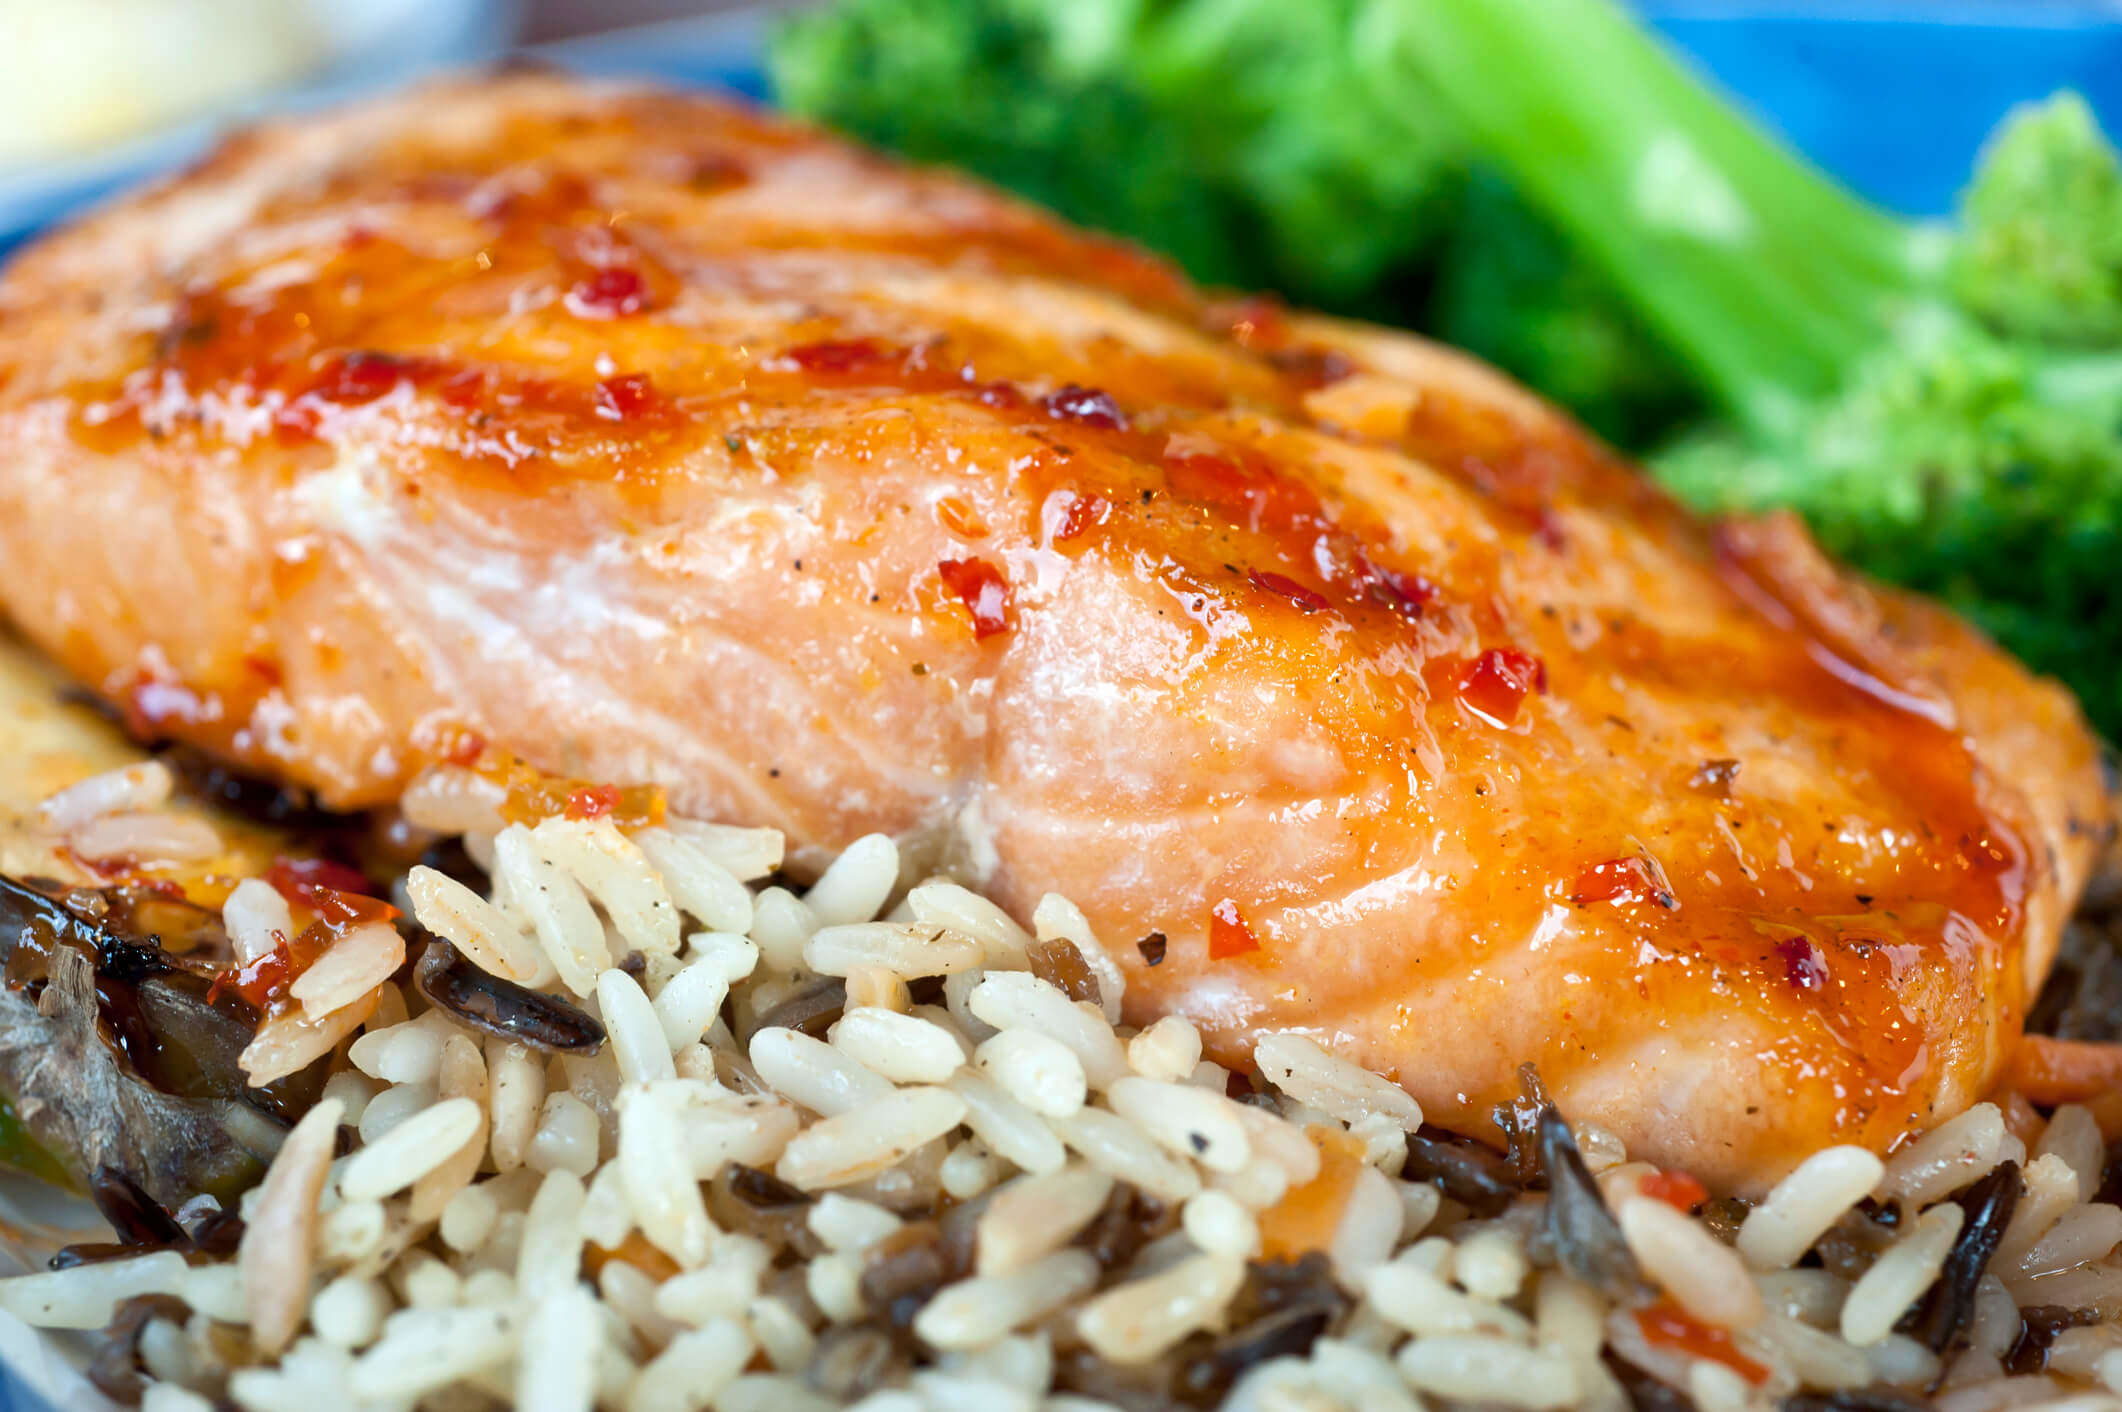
(1348, 688)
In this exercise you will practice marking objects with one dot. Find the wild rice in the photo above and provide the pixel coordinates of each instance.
(978, 1197)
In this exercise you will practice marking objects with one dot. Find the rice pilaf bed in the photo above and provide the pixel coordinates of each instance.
(646, 1129)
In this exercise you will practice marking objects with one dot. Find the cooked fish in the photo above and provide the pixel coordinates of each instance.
(1347, 687)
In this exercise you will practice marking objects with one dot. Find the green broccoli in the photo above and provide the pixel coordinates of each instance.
(1244, 138)
(2040, 250)
(1261, 144)
(1900, 385)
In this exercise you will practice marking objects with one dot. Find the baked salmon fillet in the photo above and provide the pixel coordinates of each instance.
(1348, 688)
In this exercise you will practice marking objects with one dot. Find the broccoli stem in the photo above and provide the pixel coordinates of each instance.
(1767, 277)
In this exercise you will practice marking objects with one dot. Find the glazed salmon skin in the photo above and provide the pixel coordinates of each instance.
(661, 441)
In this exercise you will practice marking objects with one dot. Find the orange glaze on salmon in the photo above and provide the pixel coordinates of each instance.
(661, 441)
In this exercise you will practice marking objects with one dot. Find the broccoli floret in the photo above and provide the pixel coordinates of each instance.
(1899, 386)
(984, 86)
(2040, 249)
(1245, 138)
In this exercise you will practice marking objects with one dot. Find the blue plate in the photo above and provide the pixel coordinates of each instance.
(1893, 98)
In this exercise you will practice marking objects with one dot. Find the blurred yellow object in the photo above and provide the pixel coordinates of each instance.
(80, 74)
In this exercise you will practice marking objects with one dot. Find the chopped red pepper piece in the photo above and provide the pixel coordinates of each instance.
(611, 293)
(595, 801)
(1065, 520)
(847, 355)
(1497, 682)
(622, 399)
(1667, 1325)
(1631, 879)
(1087, 405)
(983, 590)
(304, 879)
(1676, 1189)
(1803, 965)
(1228, 933)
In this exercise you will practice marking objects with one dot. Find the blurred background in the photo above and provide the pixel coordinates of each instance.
(1891, 95)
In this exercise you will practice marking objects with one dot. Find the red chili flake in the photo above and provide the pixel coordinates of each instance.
(1305, 599)
(980, 586)
(303, 879)
(1676, 1189)
(360, 377)
(1000, 394)
(622, 398)
(258, 982)
(593, 801)
(840, 356)
(1668, 1325)
(1803, 965)
(1068, 514)
(464, 748)
(465, 389)
(1495, 683)
(1632, 879)
(1228, 934)
(1086, 405)
(1404, 593)
(611, 293)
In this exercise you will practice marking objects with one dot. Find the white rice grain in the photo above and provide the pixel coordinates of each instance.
(1474, 1368)
(279, 1244)
(2073, 1135)
(1118, 1147)
(701, 886)
(257, 919)
(618, 874)
(489, 937)
(977, 1311)
(659, 1176)
(361, 959)
(813, 1073)
(941, 903)
(555, 905)
(906, 951)
(410, 1150)
(636, 1034)
(1702, 1274)
(1798, 1210)
(1168, 1049)
(154, 837)
(86, 1296)
(1944, 1159)
(139, 787)
(1136, 1321)
(1010, 1130)
(1058, 919)
(1297, 1065)
(1036, 1214)
(1006, 999)
(692, 1369)
(556, 1367)
(854, 886)
(902, 1048)
(1192, 1122)
(859, 1144)
(1899, 1277)
(1036, 1069)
